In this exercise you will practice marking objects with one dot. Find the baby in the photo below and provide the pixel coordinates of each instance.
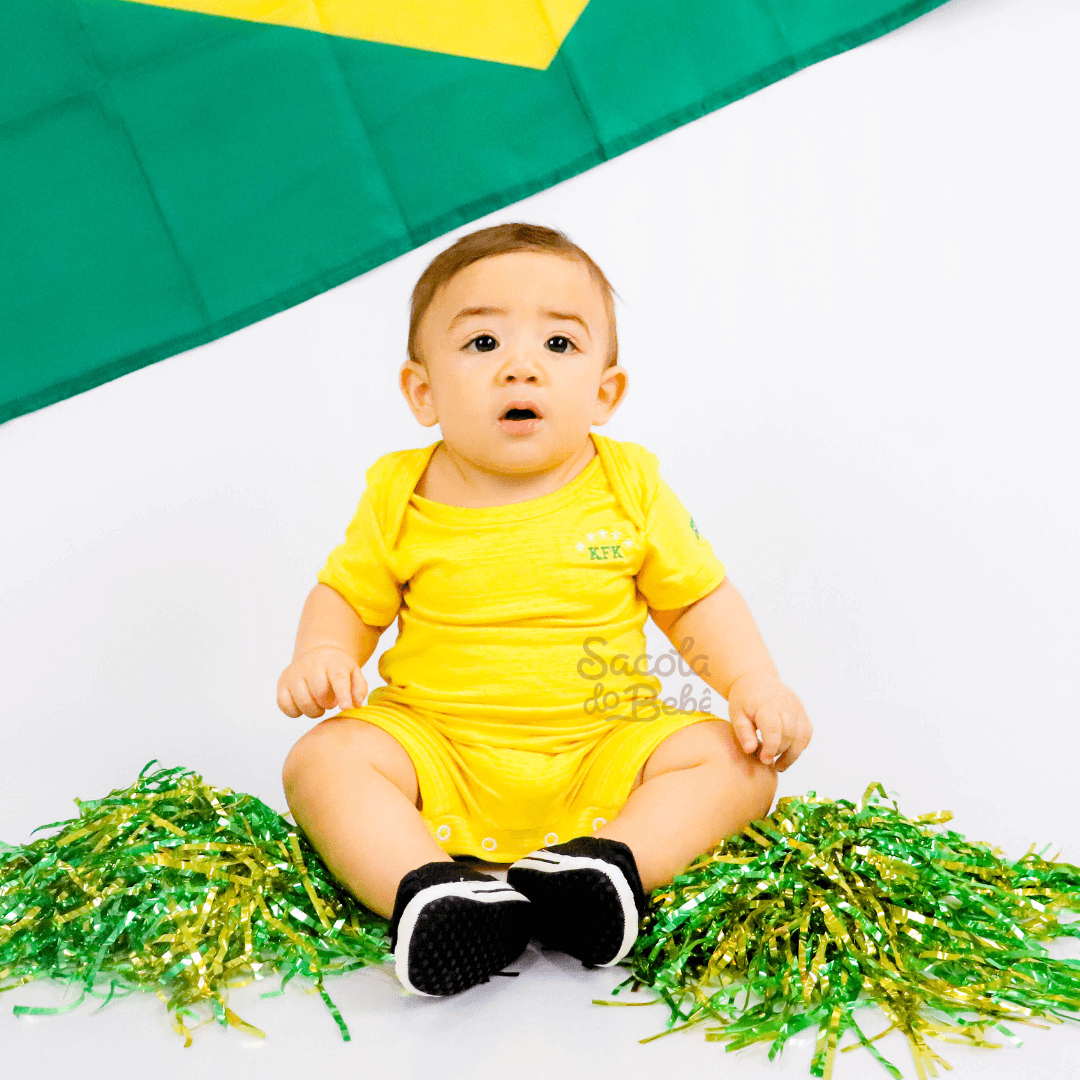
(520, 557)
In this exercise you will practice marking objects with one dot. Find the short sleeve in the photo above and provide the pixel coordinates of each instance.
(360, 569)
(679, 566)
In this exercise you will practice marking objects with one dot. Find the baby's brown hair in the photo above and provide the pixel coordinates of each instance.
(498, 240)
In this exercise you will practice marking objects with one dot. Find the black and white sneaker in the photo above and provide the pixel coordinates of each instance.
(587, 897)
(454, 927)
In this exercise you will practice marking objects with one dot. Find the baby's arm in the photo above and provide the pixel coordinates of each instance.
(351, 787)
(332, 644)
(719, 633)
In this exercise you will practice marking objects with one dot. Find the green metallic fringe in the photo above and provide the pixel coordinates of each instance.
(821, 908)
(823, 901)
(184, 889)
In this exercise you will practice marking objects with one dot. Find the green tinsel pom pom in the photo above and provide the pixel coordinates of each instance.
(819, 909)
(174, 886)
(823, 907)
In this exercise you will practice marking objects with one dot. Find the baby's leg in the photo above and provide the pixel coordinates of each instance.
(352, 789)
(697, 788)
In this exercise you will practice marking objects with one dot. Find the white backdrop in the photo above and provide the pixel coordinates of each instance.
(848, 306)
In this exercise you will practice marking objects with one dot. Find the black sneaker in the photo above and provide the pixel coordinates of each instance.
(454, 927)
(587, 897)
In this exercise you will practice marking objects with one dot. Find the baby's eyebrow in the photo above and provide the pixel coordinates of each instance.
(468, 312)
(567, 316)
(558, 316)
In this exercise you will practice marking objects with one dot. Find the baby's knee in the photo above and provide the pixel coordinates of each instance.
(761, 788)
(709, 743)
(308, 753)
(756, 780)
(347, 744)
(712, 746)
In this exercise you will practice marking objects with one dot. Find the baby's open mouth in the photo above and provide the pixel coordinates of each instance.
(521, 418)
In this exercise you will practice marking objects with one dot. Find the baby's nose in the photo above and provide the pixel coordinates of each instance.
(518, 364)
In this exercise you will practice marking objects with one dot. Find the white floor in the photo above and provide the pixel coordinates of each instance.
(848, 304)
(540, 1025)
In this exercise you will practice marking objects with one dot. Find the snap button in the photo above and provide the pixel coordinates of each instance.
(551, 838)
(598, 823)
(488, 843)
(443, 832)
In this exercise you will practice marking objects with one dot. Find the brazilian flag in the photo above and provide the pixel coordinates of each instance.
(173, 170)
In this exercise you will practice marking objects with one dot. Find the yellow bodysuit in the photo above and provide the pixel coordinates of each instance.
(518, 683)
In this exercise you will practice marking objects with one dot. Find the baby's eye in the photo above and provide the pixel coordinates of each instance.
(560, 344)
(483, 343)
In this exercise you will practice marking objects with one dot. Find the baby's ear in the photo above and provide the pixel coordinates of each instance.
(614, 383)
(416, 387)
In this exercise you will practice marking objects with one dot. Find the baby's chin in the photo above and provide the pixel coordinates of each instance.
(512, 454)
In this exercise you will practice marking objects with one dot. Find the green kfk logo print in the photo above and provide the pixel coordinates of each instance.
(604, 545)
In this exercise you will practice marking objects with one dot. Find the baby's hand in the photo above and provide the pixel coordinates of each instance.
(320, 679)
(762, 700)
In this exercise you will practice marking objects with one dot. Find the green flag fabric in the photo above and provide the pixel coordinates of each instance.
(168, 176)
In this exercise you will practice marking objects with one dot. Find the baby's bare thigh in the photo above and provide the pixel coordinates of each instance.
(693, 745)
(347, 745)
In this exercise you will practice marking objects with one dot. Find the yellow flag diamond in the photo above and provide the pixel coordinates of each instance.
(523, 32)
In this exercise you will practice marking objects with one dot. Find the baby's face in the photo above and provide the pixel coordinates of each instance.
(514, 350)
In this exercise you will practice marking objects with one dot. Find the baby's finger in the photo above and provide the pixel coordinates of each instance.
(341, 683)
(321, 686)
(303, 697)
(804, 732)
(744, 729)
(286, 703)
(772, 728)
(359, 687)
(789, 725)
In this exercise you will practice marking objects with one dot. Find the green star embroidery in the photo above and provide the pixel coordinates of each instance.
(694, 527)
